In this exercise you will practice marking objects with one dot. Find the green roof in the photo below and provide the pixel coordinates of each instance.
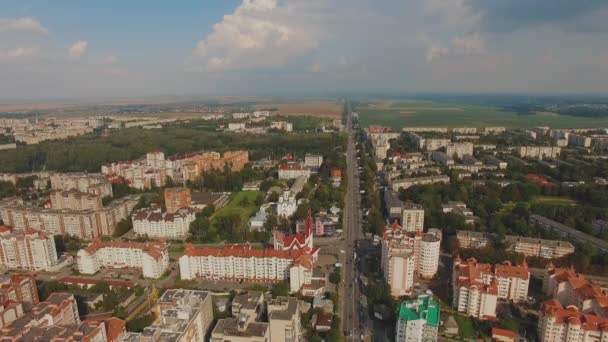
(423, 307)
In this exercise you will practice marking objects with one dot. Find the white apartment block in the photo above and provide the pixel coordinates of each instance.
(406, 183)
(494, 130)
(423, 129)
(287, 205)
(236, 126)
(152, 258)
(292, 171)
(29, 249)
(313, 160)
(459, 149)
(539, 152)
(464, 130)
(429, 144)
(547, 249)
(477, 287)
(155, 224)
(75, 200)
(404, 255)
(412, 217)
(282, 125)
(284, 319)
(92, 183)
(579, 140)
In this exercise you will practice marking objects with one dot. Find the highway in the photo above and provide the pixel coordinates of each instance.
(350, 287)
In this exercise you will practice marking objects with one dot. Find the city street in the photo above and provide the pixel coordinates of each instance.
(350, 287)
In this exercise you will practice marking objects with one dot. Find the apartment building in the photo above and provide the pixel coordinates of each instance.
(284, 319)
(459, 149)
(18, 288)
(28, 249)
(460, 209)
(381, 147)
(293, 170)
(413, 217)
(464, 130)
(548, 249)
(418, 320)
(406, 254)
(155, 224)
(83, 224)
(282, 125)
(539, 152)
(573, 289)
(75, 200)
(244, 325)
(428, 144)
(183, 316)
(177, 198)
(406, 183)
(313, 160)
(151, 258)
(242, 263)
(557, 323)
(494, 130)
(422, 129)
(59, 310)
(469, 239)
(477, 287)
(91, 183)
(579, 140)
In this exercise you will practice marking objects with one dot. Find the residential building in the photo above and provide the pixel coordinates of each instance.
(183, 316)
(284, 319)
(475, 240)
(58, 310)
(413, 217)
(557, 323)
(313, 161)
(405, 254)
(442, 158)
(539, 152)
(20, 288)
(428, 144)
(494, 130)
(567, 232)
(418, 320)
(83, 224)
(477, 287)
(177, 198)
(406, 183)
(75, 200)
(151, 258)
(573, 289)
(282, 125)
(336, 176)
(155, 224)
(460, 209)
(293, 170)
(287, 205)
(533, 247)
(258, 221)
(579, 140)
(91, 183)
(503, 335)
(28, 249)
(236, 126)
(459, 149)
(247, 310)
(421, 129)
(393, 205)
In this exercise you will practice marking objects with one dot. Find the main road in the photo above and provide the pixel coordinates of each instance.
(352, 231)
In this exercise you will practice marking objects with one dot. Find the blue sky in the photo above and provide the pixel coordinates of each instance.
(109, 48)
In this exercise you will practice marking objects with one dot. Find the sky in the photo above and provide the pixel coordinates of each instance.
(62, 49)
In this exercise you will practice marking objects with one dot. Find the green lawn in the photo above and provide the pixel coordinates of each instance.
(554, 200)
(421, 113)
(466, 329)
(235, 206)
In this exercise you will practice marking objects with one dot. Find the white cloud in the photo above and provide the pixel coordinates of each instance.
(78, 49)
(452, 12)
(25, 24)
(18, 53)
(260, 34)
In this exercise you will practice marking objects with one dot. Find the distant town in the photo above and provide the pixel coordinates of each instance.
(250, 225)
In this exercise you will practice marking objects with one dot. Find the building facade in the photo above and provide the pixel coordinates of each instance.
(413, 217)
(151, 258)
(418, 320)
(177, 198)
(27, 249)
(153, 223)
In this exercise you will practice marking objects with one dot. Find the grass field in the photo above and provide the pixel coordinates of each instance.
(235, 206)
(318, 108)
(554, 200)
(399, 114)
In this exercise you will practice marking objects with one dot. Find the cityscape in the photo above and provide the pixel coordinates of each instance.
(451, 185)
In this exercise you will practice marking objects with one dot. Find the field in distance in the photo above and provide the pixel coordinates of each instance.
(401, 113)
(331, 109)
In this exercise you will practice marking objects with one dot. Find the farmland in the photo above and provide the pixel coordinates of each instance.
(399, 114)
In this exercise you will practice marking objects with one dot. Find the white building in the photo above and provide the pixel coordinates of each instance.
(418, 320)
(557, 323)
(236, 126)
(152, 258)
(27, 249)
(155, 224)
(539, 152)
(404, 255)
(459, 149)
(282, 125)
(412, 217)
(477, 287)
(293, 170)
(287, 204)
(313, 160)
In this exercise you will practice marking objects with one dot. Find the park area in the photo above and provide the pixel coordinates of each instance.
(399, 114)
